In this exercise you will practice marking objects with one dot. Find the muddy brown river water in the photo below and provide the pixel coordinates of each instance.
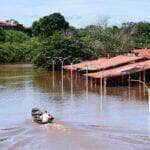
(118, 120)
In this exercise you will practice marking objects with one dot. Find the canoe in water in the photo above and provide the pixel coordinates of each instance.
(36, 116)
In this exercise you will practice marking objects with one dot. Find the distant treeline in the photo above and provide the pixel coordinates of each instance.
(52, 36)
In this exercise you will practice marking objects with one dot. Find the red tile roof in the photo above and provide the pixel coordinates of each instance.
(124, 70)
(84, 64)
(4, 23)
(104, 63)
(143, 52)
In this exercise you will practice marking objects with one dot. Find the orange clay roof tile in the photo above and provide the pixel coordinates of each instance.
(143, 52)
(123, 70)
(104, 63)
(4, 23)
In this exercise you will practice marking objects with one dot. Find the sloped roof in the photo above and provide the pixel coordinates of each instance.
(123, 70)
(104, 63)
(4, 23)
(84, 64)
(143, 52)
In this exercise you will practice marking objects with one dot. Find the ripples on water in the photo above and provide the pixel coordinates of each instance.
(120, 121)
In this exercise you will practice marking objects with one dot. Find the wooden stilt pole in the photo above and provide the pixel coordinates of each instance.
(144, 82)
(91, 81)
(122, 80)
(95, 82)
(129, 85)
(105, 85)
(101, 92)
(140, 78)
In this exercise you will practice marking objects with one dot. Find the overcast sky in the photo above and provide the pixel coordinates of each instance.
(79, 13)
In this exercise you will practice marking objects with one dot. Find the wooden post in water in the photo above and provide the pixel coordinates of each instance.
(122, 80)
(101, 89)
(140, 86)
(94, 82)
(53, 63)
(86, 66)
(105, 85)
(144, 81)
(144, 76)
(129, 85)
(62, 76)
(71, 80)
(149, 98)
(148, 90)
(140, 77)
(91, 81)
(101, 83)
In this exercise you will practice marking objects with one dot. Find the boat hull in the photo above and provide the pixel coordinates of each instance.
(37, 116)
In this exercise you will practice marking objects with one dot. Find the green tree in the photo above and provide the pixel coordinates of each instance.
(141, 36)
(61, 45)
(2, 35)
(49, 24)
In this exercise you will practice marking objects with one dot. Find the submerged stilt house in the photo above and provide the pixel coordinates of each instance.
(116, 70)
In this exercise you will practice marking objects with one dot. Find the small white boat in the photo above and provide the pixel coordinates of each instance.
(36, 116)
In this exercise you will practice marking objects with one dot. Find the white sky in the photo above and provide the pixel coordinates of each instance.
(79, 13)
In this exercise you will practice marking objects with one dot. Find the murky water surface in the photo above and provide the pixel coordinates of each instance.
(118, 120)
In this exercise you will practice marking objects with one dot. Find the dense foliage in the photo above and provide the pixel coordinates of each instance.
(2, 35)
(61, 45)
(49, 24)
(51, 36)
(14, 46)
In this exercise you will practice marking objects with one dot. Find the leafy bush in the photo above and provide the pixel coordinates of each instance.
(15, 36)
(14, 53)
(2, 35)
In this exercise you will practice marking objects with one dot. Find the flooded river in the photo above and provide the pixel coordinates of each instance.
(85, 120)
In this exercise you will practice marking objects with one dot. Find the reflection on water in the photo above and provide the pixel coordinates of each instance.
(122, 123)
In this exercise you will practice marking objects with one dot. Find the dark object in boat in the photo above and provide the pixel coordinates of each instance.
(37, 116)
